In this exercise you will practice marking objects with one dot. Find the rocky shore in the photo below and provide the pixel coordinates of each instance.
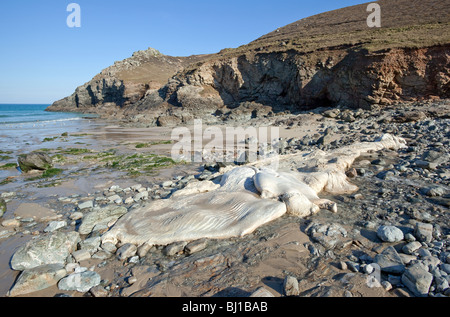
(391, 238)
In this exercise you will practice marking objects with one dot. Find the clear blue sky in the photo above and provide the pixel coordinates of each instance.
(43, 60)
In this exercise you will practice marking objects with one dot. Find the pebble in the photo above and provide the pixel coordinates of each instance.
(390, 261)
(411, 247)
(390, 234)
(11, 223)
(81, 255)
(76, 215)
(141, 196)
(126, 251)
(80, 281)
(290, 286)
(86, 205)
(423, 232)
(55, 225)
(196, 246)
(174, 248)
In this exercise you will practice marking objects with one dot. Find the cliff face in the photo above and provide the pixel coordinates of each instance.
(332, 59)
(124, 83)
(288, 80)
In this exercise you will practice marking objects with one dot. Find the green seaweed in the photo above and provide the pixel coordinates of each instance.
(8, 166)
(51, 172)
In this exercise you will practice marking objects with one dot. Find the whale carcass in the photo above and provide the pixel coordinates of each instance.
(246, 198)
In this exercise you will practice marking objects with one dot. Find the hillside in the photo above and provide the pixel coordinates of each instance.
(330, 59)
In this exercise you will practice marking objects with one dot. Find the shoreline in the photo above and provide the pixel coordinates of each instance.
(281, 246)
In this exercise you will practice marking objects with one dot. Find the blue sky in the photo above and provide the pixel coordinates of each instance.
(43, 60)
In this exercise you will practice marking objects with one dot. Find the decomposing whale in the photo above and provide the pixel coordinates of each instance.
(246, 197)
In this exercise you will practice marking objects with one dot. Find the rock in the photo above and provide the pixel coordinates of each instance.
(91, 244)
(109, 247)
(143, 249)
(101, 216)
(81, 282)
(128, 201)
(390, 234)
(76, 215)
(49, 249)
(174, 248)
(389, 261)
(35, 161)
(433, 191)
(261, 292)
(423, 232)
(2, 207)
(411, 247)
(55, 225)
(141, 196)
(98, 291)
(86, 205)
(290, 286)
(325, 139)
(11, 223)
(114, 198)
(37, 278)
(352, 173)
(81, 255)
(417, 280)
(332, 113)
(328, 235)
(126, 251)
(196, 246)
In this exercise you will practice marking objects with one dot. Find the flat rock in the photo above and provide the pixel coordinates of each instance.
(174, 248)
(196, 246)
(49, 249)
(101, 216)
(417, 280)
(389, 261)
(423, 232)
(81, 282)
(55, 225)
(86, 205)
(126, 251)
(411, 247)
(38, 278)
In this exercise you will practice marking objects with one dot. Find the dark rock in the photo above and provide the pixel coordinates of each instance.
(389, 261)
(35, 161)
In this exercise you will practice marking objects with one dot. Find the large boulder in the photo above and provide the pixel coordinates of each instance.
(35, 161)
(49, 249)
(38, 278)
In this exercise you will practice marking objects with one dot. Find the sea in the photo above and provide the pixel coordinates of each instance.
(24, 127)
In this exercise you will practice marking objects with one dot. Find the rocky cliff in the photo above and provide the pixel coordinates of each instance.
(332, 59)
(124, 83)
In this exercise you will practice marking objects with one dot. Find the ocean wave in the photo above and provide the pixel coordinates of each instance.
(41, 122)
